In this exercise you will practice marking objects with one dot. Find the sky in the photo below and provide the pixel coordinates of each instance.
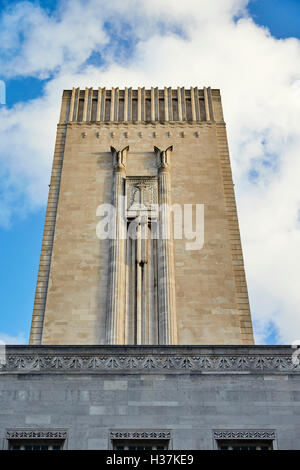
(248, 49)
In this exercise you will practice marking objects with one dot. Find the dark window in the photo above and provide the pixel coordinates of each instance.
(141, 445)
(35, 444)
(245, 445)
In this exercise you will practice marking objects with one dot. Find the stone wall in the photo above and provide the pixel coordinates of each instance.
(189, 394)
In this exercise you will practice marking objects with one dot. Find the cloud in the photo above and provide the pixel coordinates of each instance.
(195, 43)
(8, 339)
(34, 43)
(26, 131)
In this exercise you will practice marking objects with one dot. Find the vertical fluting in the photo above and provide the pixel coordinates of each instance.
(103, 104)
(145, 274)
(116, 117)
(152, 105)
(129, 295)
(129, 104)
(126, 105)
(139, 105)
(156, 104)
(76, 104)
(179, 104)
(98, 110)
(115, 326)
(152, 290)
(193, 107)
(207, 113)
(112, 105)
(143, 103)
(71, 113)
(183, 104)
(90, 105)
(166, 273)
(197, 105)
(174, 105)
(138, 284)
(210, 104)
(85, 105)
(171, 118)
(166, 103)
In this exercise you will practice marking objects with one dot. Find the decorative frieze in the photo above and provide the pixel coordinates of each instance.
(147, 360)
(248, 434)
(36, 434)
(149, 434)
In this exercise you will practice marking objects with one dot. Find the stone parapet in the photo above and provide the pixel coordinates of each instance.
(141, 105)
(149, 359)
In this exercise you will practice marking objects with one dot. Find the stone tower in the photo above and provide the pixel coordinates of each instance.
(128, 157)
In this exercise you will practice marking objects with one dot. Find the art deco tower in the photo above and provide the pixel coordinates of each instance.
(141, 152)
(141, 284)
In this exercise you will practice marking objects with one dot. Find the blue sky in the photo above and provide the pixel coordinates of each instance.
(281, 17)
(35, 78)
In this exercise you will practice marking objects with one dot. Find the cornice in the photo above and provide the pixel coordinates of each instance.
(155, 359)
(147, 124)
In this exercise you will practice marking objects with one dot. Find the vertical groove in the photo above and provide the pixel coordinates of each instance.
(167, 299)
(90, 105)
(210, 104)
(126, 105)
(179, 104)
(170, 104)
(156, 104)
(155, 95)
(128, 296)
(183, 104)
(193, 107)
(152, 105)
(98, 111)
(138, 286)
(116, 272)
(143, 104)
(112, 105)
(130, 104)
(166, 271)
(139, 110)
(116, 110)
(197, 105)
(115, 326)
(76, 104)
(166, 103)
(207, 114)
(86, 97)
(71, 114)
(103, 104)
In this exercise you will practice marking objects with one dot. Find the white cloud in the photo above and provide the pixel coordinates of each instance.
(34, 43)
(8, 339)
(192, 43)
